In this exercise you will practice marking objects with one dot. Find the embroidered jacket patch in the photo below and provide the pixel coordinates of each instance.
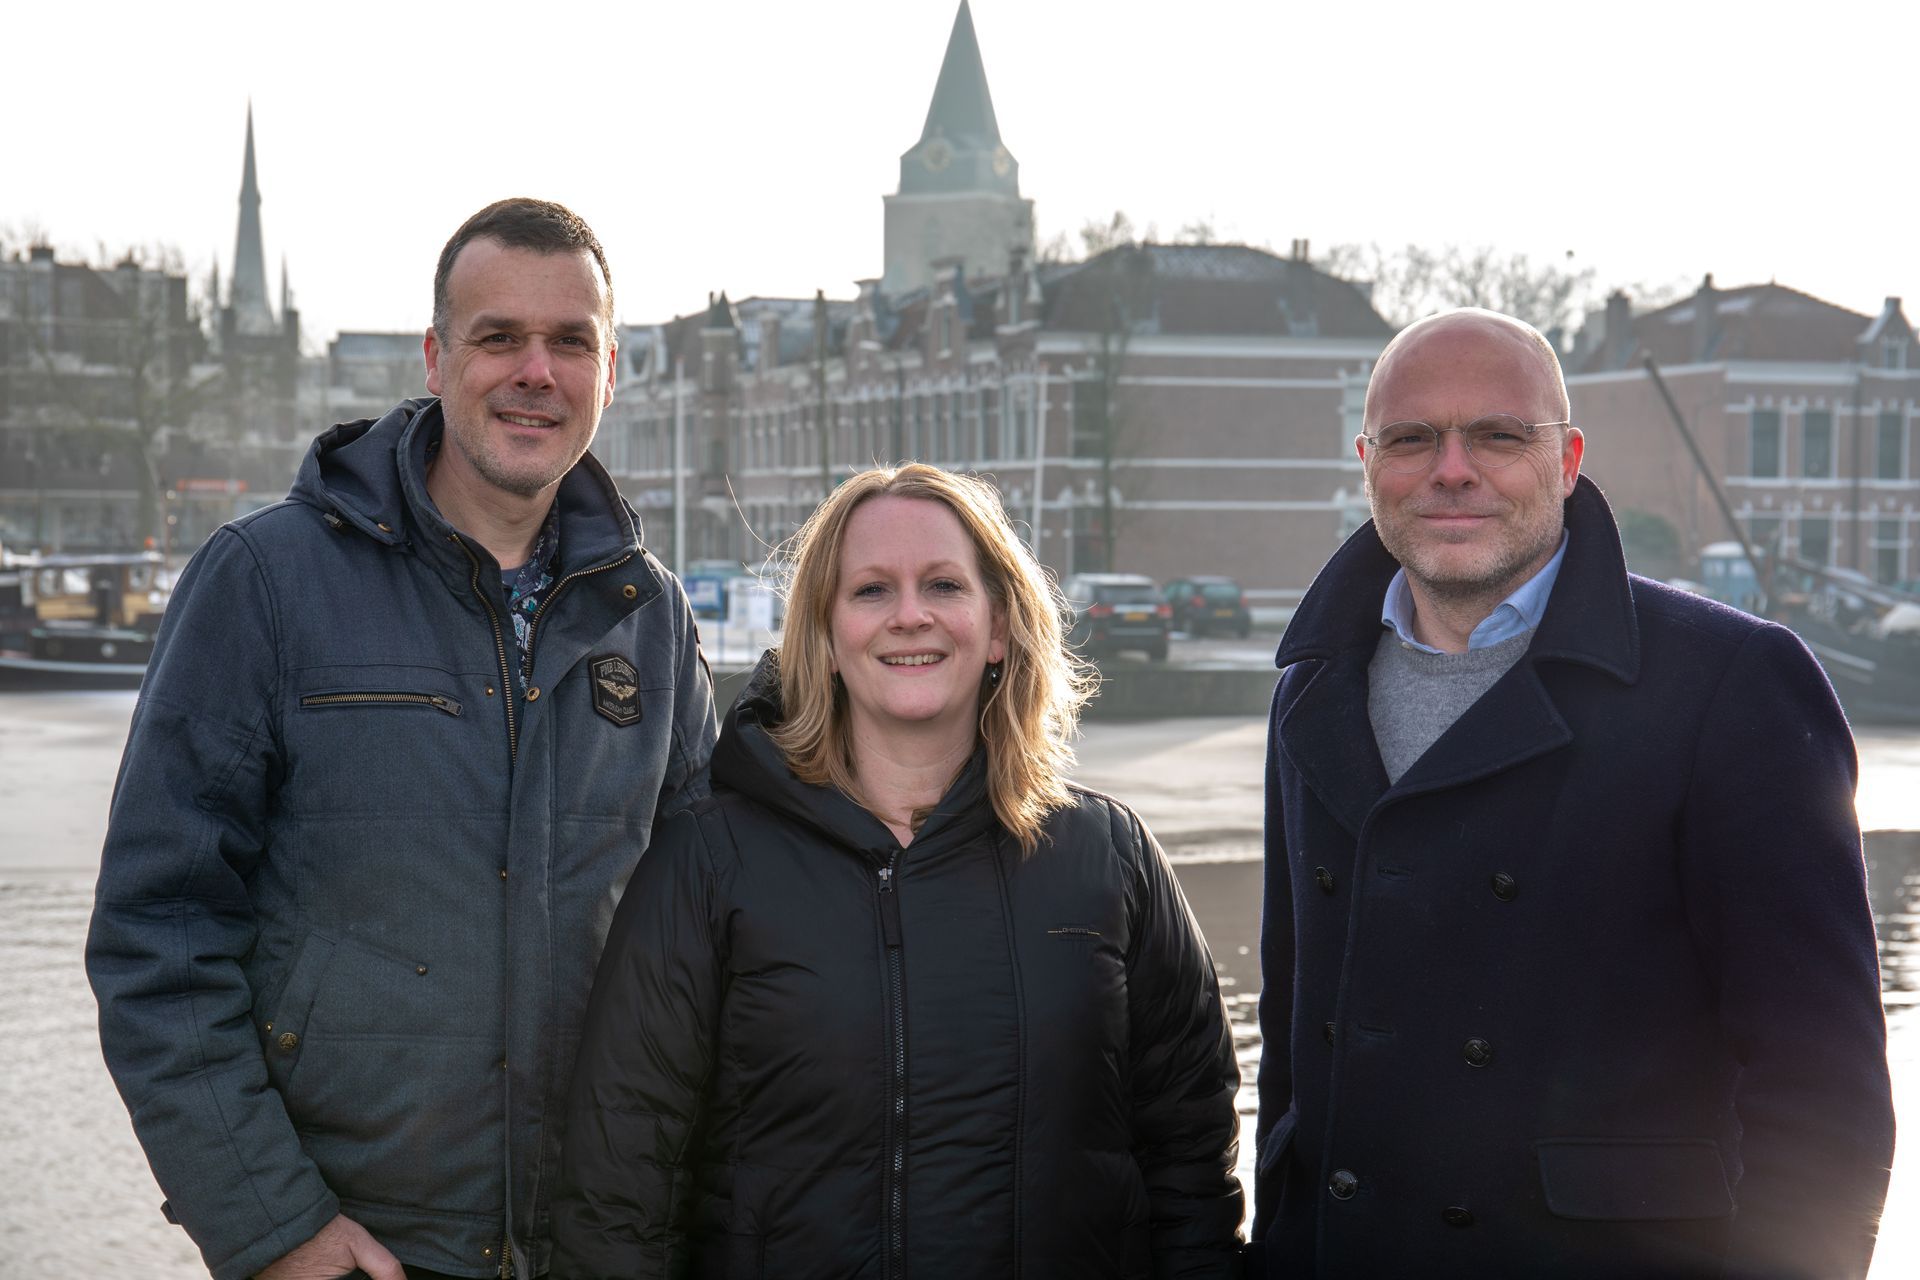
(616, 689)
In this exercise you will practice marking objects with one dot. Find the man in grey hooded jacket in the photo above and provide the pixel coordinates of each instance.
(402, 740)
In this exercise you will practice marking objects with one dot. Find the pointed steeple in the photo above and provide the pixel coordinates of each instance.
(960, 148)
(962, 107)
(252, 313)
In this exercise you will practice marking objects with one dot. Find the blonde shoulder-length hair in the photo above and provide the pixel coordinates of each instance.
(1026, 718)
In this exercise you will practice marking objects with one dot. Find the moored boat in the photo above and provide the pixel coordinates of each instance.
(79, 621)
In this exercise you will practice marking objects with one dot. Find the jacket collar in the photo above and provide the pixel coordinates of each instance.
(1325, 729)
(371, 475)
(745, 759)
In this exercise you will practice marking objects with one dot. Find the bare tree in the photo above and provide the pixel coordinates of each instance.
(1104, 423)
(1095, 236)
(1197, 231)
(1418, 280)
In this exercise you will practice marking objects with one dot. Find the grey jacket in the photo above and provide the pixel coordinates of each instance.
(356, 880)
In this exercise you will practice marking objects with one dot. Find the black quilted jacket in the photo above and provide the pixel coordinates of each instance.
(812, 1053)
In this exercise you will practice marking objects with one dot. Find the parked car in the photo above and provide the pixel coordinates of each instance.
(1114, 611)
(1207, 602)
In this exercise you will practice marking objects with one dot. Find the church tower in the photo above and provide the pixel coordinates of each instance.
(261, 350)
(959, 194)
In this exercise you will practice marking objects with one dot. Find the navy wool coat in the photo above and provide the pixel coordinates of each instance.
(1592, 990)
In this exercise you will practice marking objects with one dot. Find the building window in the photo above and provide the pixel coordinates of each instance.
(1890, 457)
(1816, 539)
(1764, 533)
(1886, 550)
(1765, 443)
(1816, 444)
(1893, 354)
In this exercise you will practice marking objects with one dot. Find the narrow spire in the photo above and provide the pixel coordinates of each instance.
(962, 107)
(252, 313)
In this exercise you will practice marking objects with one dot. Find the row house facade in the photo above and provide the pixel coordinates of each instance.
(1158, 409)
(1808, 413)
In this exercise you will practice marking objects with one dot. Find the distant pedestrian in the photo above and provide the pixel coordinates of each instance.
(1568, 963)
(403, 737)
(898, 1000)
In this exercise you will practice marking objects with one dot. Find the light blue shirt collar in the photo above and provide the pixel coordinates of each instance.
(1518, 613)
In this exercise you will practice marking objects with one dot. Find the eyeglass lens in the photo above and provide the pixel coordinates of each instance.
(1494, 441)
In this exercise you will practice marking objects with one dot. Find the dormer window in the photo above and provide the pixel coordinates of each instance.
(1893, 354)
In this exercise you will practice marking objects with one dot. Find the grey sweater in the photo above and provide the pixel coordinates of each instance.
(1414, 696)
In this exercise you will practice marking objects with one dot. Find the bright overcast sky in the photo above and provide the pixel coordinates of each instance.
(746, 145)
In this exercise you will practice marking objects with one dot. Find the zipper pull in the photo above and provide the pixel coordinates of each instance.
(889, 908)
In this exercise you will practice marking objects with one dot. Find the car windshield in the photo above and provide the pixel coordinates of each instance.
(1221, 592)
(1125, 593)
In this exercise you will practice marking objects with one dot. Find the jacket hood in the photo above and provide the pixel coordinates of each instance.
(746, 760)
(1590, 616)
(351, 470)
(372, 474)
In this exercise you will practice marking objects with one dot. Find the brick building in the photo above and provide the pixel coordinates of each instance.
(1163, 409)
(1807, 412)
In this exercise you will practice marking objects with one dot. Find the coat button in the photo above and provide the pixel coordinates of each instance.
(1477, 1052)
(629, 591)
(533, 694)
(288, 1042)
(1342, 1184)
(1455, 1216)
(1323, 878)
(1505, 887)
(1326, 1030)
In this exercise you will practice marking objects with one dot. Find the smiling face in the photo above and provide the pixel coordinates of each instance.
(1462, 531)
(523, 369)
(913, 626)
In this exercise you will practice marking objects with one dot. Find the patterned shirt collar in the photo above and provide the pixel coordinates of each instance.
(527, 587)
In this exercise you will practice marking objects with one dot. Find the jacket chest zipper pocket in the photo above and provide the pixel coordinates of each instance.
(378, 698)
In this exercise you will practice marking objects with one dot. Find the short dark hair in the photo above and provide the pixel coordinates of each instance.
(521, 222)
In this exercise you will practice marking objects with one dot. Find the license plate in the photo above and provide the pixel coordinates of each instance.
(1132, 616)
(1223, 613)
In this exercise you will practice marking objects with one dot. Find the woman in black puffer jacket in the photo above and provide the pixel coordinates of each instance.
(898, 1001)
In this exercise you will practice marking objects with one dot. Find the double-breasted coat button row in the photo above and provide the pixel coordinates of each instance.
(1342, 1184)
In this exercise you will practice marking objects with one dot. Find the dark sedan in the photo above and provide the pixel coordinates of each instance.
(1113, 611)
(1206, 603)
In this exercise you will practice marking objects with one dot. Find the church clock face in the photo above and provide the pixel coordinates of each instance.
(938, 155)
(1002, 161)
